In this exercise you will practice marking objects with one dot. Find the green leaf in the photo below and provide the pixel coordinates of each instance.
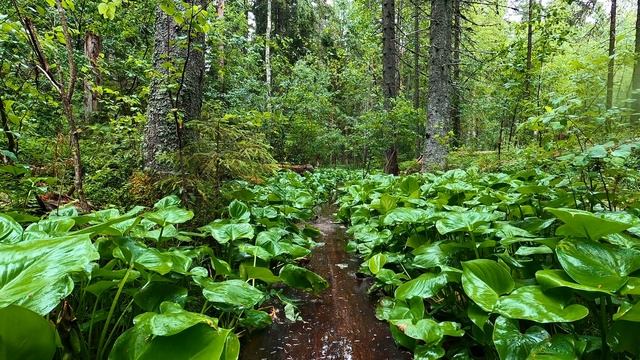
(166, 202)
(37, 274)
(239, 211)
(169, 215)
(172, 334)
(385, 204)
(151, 296)
(550, 279)
(10, 230)
(464, 221)
(301, 278)
(235, 293)
(598, 265)
(376, 262)
(530, 303)
(255, 319)
(484, 281)
(259, 273)
(558, 347)
(426, 330)
(582, 223)
(25, 335)
(406, 215)
(513, 345)
(628, 312)
(225, 232)
(424, 286)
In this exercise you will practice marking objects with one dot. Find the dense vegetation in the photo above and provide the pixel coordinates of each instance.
(161, 163)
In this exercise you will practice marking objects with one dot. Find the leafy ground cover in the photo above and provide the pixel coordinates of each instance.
(493, 265)
(142, 284)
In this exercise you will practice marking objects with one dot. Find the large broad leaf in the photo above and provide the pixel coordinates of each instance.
(513, 345)
(152, 295)
(585, 224)
(628, 312)
(464, 221)
(559, 347)
(25, 335)
(174, 334)
(234, 293)
(169, 215)
(484, 281)
(52, 227)
(376, 263)
(152, 259)
(530, 303)
(385, 204)
(239, 211)
(598, 265)
(224, 232)
(550, 279)
(424, 286)
(301, 278)
(407, 215)
(10, 230)
(36, 274)
(426, 330)
(623, 336)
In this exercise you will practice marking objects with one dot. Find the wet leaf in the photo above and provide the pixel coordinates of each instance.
(484, 281)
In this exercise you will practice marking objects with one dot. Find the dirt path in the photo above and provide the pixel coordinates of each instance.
(340, 324)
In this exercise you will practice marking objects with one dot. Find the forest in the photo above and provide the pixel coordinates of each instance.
(319, 179)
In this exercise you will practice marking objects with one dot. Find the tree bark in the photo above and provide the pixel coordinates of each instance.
(529, 63)
(416, 55)
(439, 94)
(267, 54)
(635, 80)
(612, 52)
(390, 79)
(167, 112)
(455, 94)
(12, 144)
(221, 55)
(92, 49)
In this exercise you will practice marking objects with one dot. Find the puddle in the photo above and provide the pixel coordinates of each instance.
(340, 324)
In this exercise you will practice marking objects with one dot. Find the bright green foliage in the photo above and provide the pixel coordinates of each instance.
(504, 257)
(146, 286)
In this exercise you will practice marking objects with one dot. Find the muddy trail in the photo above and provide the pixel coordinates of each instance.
(339, 324)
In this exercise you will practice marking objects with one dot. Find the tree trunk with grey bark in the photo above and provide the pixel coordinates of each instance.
(169, 108)
(612, 52)
(635, 81)
(439, 95)
(390, 80)
(455, 94)
(92, 49)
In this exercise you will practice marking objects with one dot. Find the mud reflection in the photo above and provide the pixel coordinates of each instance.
(338, 325)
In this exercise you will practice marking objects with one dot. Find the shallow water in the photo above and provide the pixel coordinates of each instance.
(339, 324)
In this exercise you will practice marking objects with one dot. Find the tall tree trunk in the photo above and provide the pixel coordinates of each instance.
(66, 95)
(65, 92)
(439, 95)
(416, 70)
(455, 94)
(612, 52)
(221, 55)
(390, 76)
(267, 54)
(12, 144)
(166, 111)
(92, 48)
(635, 80)
(529, 63)
(416, 55)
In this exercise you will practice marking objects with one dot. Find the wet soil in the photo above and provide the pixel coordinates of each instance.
(339, 324)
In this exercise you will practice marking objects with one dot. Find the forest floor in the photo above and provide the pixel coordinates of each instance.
(340, 323)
